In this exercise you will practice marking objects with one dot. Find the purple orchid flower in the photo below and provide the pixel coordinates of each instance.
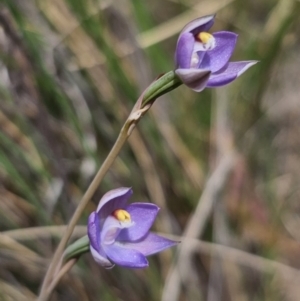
(202, 58)
(119, 233)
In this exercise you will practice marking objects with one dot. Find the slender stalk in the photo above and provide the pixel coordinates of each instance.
(66, 267)
(162, 85)
(56, 261)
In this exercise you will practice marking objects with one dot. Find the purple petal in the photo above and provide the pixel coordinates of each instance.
(112, 200)
(229, 73)
(201, 55)
(195, 79)
(143, 216)
(219, 56)
(100, 257)
(93, 230)
(129, 258)
(150, 244)
(184, 50)
(199, 25)
(111, 229)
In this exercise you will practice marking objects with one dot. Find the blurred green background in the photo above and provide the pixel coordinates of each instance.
(223, 165)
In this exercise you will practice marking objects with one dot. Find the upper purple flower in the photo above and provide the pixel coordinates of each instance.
(119, 233)
(202, 58)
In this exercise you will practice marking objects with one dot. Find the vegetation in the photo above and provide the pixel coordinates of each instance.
(223, 165)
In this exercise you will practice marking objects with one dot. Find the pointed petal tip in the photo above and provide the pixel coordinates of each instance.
(101, 258)
(119, 193)
(246, 67)
(109, 267)
(195, 79)
(254, 62)
(229, 73)
(202, 23)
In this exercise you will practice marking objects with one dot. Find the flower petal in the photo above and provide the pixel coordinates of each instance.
(184, 50)
(100, 257)
(93, 230)
(112, 200)
(150, 244)
(126, 257)
(199, 25)
(195, 79)
(143, 216)
(111, 229)
(219, 56)
(229, 73)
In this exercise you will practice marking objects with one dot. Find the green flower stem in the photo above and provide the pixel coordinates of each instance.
(77, 248)
(168, 82)
(162, 85)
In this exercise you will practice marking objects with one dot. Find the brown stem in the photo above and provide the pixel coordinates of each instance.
(56, 261)
(66, 267)
(125, 132)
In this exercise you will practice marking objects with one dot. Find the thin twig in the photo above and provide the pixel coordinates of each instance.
(227, 253)
(68, 265)
(197, 223)
(57, 258)
(32, 233)
(256, 262)
(168, 82)
(221, 141)
(173, 26)
(160, 86)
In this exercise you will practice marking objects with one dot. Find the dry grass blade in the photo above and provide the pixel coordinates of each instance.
(15, 133)
(68, 26)
(84, 48)
(240, 257)
(188, 163)
(195, 226)
(9, 292)
(70, 71)
(278, 14)
(221, 141)
(9, 243)
(16, 209)
(27, 234)
(173, 26)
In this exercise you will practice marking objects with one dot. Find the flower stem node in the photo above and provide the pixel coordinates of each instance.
(122, 215)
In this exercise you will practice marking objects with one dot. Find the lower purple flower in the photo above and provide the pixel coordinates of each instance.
(119, 233)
